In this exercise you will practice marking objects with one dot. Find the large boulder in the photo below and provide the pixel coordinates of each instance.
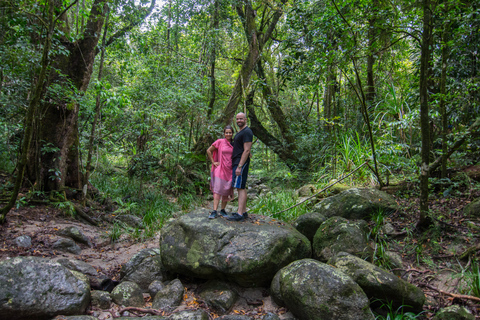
(356, 203)
(308, 224)
(380, 285)
(248, 253)
(313, 290)
(143, 268)
(38, 288)
(338, 234)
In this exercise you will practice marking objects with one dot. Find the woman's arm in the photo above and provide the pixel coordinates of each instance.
(210, 151)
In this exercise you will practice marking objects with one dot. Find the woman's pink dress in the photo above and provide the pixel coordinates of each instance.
(221, 176)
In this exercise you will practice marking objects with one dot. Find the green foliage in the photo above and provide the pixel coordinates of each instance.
(380, 257)
(471, 280)
(396, 314)
(274, 202)
(66, 207)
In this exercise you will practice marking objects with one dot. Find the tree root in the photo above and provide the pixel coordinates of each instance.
(453, 295)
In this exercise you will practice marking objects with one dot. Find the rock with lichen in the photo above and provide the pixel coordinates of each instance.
(248, 253)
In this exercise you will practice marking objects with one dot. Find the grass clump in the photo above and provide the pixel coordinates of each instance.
(272, 203)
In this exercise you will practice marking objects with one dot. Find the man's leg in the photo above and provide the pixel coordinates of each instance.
(242, 201)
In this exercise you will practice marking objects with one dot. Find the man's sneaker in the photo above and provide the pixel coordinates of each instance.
(224, 213)
(213, 214)
(245, 215)
(236, 217)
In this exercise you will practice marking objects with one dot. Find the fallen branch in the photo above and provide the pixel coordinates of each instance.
(458, 296)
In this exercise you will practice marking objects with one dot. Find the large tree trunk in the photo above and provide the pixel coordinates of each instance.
(58, 129)
(425, 64)
(54, 159)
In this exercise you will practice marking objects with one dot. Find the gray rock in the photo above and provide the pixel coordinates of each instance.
(454, 312)
(101, 299)
(270, 316)
(74, 234)
(154, 287)
(169, 297)
(356, 203)
(313, 290)
(308, 224)
(244, 252)
(68, 245)
(23, 241)
(189, 315)
(128, 294)
(275, 290)
(380, 285)
(472, 209)
(338, 234)
(130, 220)
(306, 190)
(79, 266)
(38, 288)
(143, 268)
(218, 295)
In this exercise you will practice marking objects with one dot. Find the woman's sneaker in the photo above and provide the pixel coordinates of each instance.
(213, 214)
(224, 213)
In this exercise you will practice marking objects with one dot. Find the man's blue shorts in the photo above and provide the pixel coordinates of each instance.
(239, 182)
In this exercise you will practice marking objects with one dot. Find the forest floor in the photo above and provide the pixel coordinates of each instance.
(431, 259)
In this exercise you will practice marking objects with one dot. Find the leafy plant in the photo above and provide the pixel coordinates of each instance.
(395, 314)
(272, 203)
(65, 206)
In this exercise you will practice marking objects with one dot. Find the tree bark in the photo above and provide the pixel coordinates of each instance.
(425, 63)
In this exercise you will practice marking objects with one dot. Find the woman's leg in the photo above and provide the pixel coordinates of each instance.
(224, 202)
(216, 200)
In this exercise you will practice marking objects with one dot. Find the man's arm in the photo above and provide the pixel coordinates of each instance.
(246, 153)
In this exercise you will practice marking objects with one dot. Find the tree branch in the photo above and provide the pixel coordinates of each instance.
(121, 32)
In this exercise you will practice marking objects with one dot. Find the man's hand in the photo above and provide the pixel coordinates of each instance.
(238, 171)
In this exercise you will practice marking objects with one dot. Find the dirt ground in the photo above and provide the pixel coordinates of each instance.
(431, 259)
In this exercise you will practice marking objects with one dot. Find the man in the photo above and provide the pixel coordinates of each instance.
(242, 143)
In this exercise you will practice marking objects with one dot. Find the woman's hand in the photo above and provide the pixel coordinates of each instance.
(216, 164)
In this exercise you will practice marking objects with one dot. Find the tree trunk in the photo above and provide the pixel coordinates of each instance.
(98, 105)
(213, 57)
(54, 163)
(425, 64)
(58, 131)
(29, 121)
(443, 108)
(285, 154)
(256, 39)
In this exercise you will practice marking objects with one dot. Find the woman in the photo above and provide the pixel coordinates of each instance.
(220, 155)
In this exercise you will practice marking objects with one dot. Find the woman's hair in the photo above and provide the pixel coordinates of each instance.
(228, 127)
